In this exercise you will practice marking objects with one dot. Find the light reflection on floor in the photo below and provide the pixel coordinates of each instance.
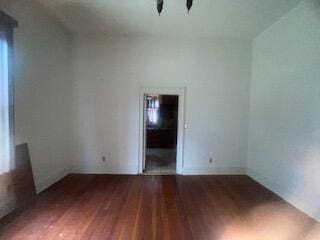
(272, 221)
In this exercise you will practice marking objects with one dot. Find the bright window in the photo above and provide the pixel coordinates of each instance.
(4, 105)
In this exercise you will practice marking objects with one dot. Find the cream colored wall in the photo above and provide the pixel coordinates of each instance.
(42, 60)
(109, 73)
(284, 136)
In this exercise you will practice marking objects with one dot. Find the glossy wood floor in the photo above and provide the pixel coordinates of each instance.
(159, 207)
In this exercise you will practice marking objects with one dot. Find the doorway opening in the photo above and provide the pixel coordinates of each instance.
(160, 133)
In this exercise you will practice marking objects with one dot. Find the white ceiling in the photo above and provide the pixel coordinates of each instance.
(208, 18)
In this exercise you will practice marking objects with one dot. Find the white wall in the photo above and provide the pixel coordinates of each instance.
(109, 73)
(284, 135)
(42, 87)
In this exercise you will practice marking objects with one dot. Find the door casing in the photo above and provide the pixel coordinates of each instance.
(181, 93)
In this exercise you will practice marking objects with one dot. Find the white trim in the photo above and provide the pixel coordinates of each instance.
(144, 106)
(203, 170)
(106, 172)
(181, 92)
(289, 196)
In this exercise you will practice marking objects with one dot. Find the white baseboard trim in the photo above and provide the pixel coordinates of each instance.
(289, 196)
(185, 171)
(111, 170)
(50, 180)
(214, 170)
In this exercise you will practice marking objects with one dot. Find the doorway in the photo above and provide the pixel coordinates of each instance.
(179, 155)
(161, 127)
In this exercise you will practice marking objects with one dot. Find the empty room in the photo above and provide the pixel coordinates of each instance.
(160, 119)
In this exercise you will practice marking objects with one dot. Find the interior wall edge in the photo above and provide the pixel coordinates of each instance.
(51, 179)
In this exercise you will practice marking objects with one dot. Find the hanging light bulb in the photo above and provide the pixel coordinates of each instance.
(159, 6)
(189, 5)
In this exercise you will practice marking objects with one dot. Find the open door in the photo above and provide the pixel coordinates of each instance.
(160, 133)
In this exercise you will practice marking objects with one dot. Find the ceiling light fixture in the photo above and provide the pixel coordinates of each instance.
(160, 5)
(189, 5)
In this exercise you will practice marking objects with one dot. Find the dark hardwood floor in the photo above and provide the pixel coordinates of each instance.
(159, 207)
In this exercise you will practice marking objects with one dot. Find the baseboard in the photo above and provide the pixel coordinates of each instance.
(132, 170)
(289, 196)
(214, 170)
(50, 180)
(111, 170)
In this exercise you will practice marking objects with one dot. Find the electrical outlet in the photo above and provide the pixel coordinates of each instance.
(210, 160)
(104, 159)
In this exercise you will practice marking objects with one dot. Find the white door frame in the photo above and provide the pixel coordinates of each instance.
(181, 92)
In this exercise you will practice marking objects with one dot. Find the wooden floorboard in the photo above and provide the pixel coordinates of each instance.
(159, 207)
